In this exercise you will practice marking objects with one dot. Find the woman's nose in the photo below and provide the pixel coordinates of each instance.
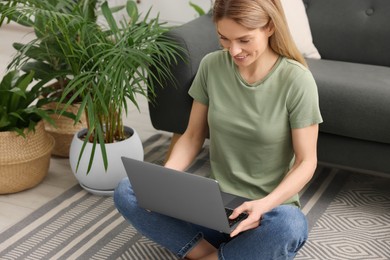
(234, 49)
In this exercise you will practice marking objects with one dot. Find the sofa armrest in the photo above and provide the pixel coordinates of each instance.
(170, 108)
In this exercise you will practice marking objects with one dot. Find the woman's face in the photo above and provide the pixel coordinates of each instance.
(246, 46)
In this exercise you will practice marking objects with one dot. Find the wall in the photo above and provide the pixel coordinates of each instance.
(175, 12)
(10, 33)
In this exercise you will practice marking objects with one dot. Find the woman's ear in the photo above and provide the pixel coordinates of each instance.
(270, 29)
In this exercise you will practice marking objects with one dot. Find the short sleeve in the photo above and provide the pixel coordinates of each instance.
(198, 90)
(303, 102)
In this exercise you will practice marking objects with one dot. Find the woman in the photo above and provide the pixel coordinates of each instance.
(258, 103)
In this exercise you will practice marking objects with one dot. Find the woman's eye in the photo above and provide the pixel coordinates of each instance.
(244, 41)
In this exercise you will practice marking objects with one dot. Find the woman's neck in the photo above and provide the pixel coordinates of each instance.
(260, 68)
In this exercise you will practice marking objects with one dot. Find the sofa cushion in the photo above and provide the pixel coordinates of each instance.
(299, 27)
(351, 30)
(354, 99)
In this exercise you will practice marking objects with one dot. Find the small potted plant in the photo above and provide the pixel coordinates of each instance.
(117, 62)
(25, 146)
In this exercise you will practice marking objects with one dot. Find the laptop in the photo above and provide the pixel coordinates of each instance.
(182, 195)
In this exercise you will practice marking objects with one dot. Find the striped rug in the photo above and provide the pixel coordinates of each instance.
(348, 213)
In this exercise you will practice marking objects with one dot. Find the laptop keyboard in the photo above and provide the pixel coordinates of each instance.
(237, 219)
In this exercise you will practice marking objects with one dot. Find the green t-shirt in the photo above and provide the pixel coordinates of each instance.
(250, 124)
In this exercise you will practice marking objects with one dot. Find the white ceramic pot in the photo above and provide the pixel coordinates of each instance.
(98, 181)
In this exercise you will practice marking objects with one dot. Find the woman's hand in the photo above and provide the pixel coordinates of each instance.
(255, 209)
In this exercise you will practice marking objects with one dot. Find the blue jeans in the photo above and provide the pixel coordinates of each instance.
(282, 231)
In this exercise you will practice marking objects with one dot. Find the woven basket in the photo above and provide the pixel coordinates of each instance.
(24, 162)
(64, 130)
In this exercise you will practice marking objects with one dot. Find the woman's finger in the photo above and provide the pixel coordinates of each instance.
(244, 225)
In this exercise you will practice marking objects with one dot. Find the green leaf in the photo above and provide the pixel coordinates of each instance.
(4, 122)
(81, 111)
(43, 70)
(100, 136)
(40, 26)
(18, 116)
(19, 131)
(110, 20)
(16, 91)
(88, 10)
(132, 11)
(31, 50)
(13, 16)
(197, 8)
(6, 83)
(88, 134)
(44, 115)
(92, 155)
(21, 85)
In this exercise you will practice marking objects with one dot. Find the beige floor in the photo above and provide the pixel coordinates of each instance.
(15, 207)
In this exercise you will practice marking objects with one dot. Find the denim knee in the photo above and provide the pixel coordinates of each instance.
(289, 226)
(122, 195)
(177, 236)
(292, 221)
(282, 232)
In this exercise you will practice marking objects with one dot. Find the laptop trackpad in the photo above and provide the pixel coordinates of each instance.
(232, 201)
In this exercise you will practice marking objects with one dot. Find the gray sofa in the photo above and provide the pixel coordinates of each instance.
(353, 79)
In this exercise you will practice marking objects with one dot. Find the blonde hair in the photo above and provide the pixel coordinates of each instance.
(255, 14)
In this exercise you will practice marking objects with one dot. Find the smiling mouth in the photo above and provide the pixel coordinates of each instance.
(240, 57)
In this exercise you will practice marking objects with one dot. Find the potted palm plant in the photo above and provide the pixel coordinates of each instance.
(110, 65)
(25, 146)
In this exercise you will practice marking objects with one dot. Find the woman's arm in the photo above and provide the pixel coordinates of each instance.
(305, 149)
(190, 143)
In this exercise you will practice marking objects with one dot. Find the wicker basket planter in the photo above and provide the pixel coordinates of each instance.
(24, 162)
(65, 129)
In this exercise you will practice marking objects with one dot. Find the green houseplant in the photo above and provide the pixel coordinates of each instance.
(17, 110)
(25, 146)
(116, 63)
(110, 65)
